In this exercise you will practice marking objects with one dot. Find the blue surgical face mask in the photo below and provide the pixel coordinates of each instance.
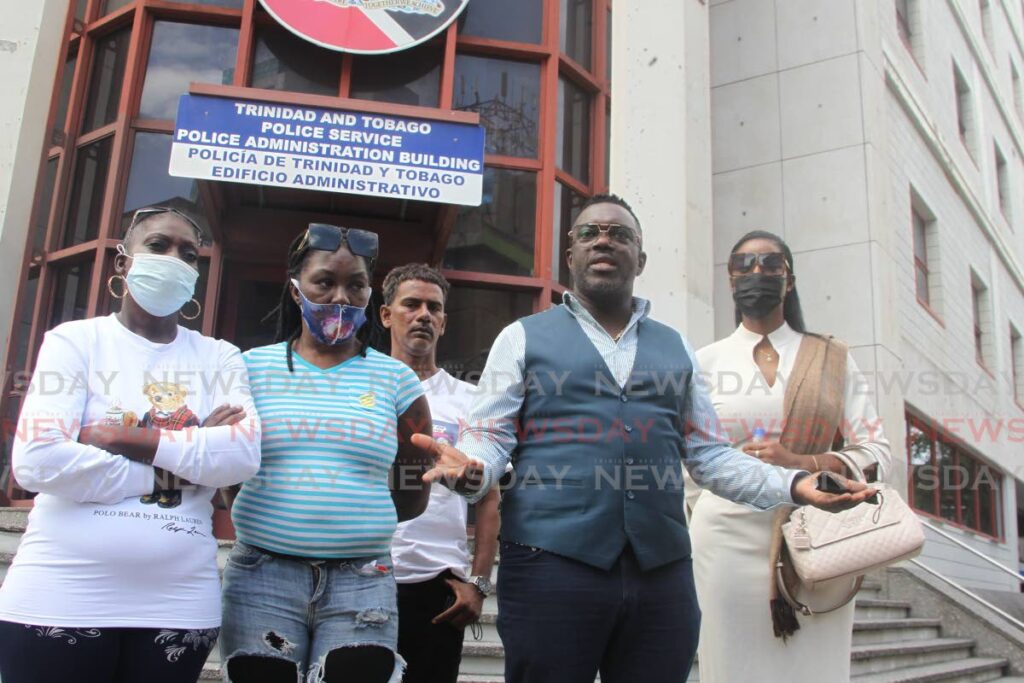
(331, 323)
(160, 284)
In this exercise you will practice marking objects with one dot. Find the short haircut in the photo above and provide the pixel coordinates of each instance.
(609, 198)
(413, 271)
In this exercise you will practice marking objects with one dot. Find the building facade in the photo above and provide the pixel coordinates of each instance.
(884, 140)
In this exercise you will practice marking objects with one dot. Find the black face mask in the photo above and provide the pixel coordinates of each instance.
(757, 295)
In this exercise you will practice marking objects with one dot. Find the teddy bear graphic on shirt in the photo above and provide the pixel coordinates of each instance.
(169, 411)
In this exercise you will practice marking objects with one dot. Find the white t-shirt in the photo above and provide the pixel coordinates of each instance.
(99, 551)
(425, 546)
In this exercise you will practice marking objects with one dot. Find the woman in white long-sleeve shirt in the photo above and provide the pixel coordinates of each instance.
(129, 427)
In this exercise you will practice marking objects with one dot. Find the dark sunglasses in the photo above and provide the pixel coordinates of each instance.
(145, 213)
(773, 263)
(326, 237)
(585, 233)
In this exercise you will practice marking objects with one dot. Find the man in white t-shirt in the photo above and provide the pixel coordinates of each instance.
(439, 591)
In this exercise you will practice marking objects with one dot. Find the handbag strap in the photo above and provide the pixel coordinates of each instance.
(851, 465)
(804, 609)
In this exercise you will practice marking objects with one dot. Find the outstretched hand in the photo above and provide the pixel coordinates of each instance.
(451, 466)
(806, 493)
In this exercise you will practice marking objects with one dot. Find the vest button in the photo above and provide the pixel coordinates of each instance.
(629, 461)
(623, 398)
(630, 495)
(629, 428)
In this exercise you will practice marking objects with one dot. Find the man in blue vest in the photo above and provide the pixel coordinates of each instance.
(597, 404)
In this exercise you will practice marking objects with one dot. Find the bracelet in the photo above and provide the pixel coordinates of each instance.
(817, 467)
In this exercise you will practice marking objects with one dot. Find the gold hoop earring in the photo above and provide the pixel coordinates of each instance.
(110, 286)
(199, 311)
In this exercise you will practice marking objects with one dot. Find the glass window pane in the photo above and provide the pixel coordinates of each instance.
(922, 472)
(987, 483)
(507, 96)
(573, 141)
(576, 30)
(42, 214)
(568, 204)
(921, 283)
(283, 61)
(608, 46)
(946, 460)
(150, 185)
(498, 235)
(106, 79)
(70, 294)
(111, 5)
(520, 21)
(183, 54)
(406, 77)
(475, 317)
(23, 325)
(61, 115)
(80, 9)
(87, 189)
(966, 484)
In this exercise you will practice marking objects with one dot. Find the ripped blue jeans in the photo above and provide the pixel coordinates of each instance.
(300, 610)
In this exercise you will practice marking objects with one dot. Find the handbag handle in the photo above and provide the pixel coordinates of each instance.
(851, 465)
(804, 609)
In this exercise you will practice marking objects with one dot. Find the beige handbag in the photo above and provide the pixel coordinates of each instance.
(830, 551)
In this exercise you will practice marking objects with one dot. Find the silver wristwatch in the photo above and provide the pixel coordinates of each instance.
(483, 584)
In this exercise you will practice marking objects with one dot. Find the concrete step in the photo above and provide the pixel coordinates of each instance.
(873, 609)
(887, 657)
(870, 588)
(973, 670)
(482, 659)
(889, 630)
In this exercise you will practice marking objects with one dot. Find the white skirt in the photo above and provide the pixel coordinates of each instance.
(737, 642)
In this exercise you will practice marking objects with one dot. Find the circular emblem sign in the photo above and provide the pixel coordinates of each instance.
(365, 26)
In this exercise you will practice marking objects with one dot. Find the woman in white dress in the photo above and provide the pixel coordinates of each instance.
(747, 632)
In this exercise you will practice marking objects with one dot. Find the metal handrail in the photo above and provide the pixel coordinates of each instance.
(974, 596)
(971, 550)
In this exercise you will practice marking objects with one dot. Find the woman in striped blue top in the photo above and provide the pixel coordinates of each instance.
(309, 589)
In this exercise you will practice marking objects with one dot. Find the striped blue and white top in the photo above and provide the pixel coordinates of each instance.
(329, 441)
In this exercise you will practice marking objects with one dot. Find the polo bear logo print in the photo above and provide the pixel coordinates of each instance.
(171, 412)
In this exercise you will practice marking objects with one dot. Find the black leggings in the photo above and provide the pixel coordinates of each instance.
(51, 654)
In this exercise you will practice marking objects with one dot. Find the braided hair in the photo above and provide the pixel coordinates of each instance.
(288, 315)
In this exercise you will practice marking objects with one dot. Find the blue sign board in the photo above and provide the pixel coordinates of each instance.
(332, 150)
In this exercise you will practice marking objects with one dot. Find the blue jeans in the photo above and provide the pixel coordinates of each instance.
(301, 610)
(563, 621)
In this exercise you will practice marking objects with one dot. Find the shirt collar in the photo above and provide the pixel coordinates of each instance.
(781, 337)
(641, 308)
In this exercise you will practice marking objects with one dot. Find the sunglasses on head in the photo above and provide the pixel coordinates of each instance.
(143, 214)
(585, 233)
(324, 237)
(773, 263)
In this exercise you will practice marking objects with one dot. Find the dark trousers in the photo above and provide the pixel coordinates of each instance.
(562, 621)
(49, 654)
(433, 652)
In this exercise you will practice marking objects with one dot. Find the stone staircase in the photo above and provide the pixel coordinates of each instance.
(891, 644)
(906, 630)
